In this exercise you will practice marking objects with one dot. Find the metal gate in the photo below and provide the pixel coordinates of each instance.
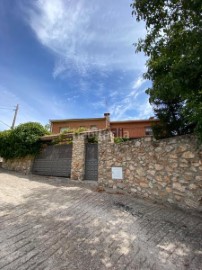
(91, 161)
(54, 160)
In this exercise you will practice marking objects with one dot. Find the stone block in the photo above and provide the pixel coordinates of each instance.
(191, 203)
(120, 185)
(188, 154)
(141, 172)
(198, 178)
(148, 139)
(179, 187)
(178, 197)
(151, 185)
(144, 184)
(184, 165)
(159, 167)
(193, 186)
(168, 189)
(172, 156)
(152, 172)
(137, 144)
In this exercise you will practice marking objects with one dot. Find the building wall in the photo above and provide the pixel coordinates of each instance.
(168, 170)
(100, 124)
(130, 129)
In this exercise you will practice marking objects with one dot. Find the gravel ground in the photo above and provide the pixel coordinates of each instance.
(54, 223)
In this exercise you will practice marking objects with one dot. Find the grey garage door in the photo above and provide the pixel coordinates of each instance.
(91, 161)
(54, 160)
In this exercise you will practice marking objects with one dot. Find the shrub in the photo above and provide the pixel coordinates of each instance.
(21, 141)
(92, 139)
(120, 139)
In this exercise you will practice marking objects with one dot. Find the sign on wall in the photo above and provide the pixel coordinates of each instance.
(117, 173)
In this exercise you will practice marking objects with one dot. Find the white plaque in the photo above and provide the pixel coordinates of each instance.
(117, 173)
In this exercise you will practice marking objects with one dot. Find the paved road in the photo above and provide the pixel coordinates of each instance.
(49, 223)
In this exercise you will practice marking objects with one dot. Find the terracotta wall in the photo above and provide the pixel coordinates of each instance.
(99, 123)
(130, 129)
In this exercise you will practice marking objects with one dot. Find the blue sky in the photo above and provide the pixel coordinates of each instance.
(70, 59)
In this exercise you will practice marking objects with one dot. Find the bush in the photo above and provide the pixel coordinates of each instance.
(120, 139)
(92, 139)
(21, 141)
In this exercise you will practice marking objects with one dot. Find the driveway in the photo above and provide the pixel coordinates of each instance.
(53, 223)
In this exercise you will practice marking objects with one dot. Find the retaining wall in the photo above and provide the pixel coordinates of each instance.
(19, 164)
(168, 170)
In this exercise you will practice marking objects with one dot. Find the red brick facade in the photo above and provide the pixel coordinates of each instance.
(129, 129)
(58, 125)
(132, 129)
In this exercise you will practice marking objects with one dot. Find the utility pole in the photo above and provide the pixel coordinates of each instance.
(15, 115)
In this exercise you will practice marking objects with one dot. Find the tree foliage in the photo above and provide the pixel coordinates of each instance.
(48, 127)
(173, 46)
(21, 141)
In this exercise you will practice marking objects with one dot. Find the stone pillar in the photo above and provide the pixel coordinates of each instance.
(105, 136)
(105, 142)
(78, 157)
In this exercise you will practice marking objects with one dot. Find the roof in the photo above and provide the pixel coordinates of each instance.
(134, 121)
(77, 120)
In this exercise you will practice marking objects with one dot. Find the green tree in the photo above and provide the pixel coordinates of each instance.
(21, 141)
(173, 46)
(48, 127)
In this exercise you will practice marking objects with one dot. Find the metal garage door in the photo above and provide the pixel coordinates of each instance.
(91, 161)
(54, 160)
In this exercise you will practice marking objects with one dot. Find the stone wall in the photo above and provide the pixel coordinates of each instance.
(78, 151)
(19, 164)
(78, 158)
(168, 170)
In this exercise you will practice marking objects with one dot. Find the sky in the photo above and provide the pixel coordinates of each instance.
(64, 59)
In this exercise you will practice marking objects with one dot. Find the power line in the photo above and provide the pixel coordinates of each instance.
(4, 123)
(7, 109)
(15, 115)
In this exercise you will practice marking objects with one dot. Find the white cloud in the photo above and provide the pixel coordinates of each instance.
(134, 101)
(144, 110)
(139, 82)
(86, 35)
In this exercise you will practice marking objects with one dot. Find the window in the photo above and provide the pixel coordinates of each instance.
(62, 129)
(148, 131)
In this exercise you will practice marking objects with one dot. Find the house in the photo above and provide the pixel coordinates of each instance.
(126, 128)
